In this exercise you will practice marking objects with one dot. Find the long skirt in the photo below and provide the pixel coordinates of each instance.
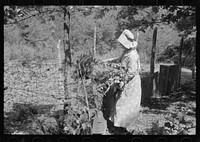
(122, 107)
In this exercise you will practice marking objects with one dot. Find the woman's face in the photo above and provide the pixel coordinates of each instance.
(127, 50)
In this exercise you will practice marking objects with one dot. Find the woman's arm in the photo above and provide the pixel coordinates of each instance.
(116, 60)
(138, 62)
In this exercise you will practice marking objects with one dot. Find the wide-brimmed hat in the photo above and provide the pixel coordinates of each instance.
(127, 39)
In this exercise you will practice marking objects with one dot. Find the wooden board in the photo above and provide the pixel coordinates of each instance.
(163, 79)
(173, 78)
(168, 78)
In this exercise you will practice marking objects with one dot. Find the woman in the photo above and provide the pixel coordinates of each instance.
(126, 106)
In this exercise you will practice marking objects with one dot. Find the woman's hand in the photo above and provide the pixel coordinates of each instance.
(121, 84)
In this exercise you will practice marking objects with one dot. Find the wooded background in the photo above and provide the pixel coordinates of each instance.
(32, 32)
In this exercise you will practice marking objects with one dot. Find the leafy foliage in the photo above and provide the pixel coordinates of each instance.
(40, 27)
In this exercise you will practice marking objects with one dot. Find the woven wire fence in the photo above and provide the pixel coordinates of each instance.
(37, 82)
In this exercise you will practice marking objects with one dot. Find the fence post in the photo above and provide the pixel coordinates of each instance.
(60, 69)
(153, 59)
(153, 51)
(194, 61)
(180, 63)
(59, 55)
(95, 41)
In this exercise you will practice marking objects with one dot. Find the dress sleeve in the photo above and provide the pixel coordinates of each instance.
(138, 63)
(131, 63)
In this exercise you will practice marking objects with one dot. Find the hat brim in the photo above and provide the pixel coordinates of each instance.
(126, 43)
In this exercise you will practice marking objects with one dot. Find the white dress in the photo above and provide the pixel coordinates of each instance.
(125, 108)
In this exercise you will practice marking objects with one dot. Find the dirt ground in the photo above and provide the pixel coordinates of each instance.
(171, 114)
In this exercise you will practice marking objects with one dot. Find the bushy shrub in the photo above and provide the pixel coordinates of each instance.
(156, 129)
(45, 125)
(48, 125)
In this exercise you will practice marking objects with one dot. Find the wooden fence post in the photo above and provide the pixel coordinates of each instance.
(153, 59)
(153, 51)
(194, 61)
(59, 55)
(60, 69)
(95, 41)
(180, 62)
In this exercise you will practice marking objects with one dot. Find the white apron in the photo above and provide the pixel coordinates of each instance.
(125, 108)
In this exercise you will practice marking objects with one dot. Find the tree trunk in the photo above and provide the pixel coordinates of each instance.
(153, 58)
(67, 52)
(180, 63)
(94, 57)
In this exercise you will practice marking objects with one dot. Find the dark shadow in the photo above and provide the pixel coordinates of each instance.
(147, 90)
(117, 130)
(185, 94)
(22, 115)
(109, 102)
(30, 108)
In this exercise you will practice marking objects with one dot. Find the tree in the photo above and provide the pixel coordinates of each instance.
(38, 28)
(67, 51)
(182, 16)
(83, 30)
